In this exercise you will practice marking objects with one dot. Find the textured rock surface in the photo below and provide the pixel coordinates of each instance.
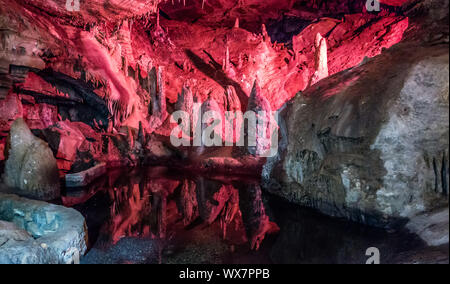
(85, 177)
(431, 227)
(370, 143)
(31, 168)
(56, 234)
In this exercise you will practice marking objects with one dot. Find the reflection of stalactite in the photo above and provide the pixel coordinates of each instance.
(256, 222)
(230, 211)
(159, 215)
(212, 197)
(187, 203)
(127, 211)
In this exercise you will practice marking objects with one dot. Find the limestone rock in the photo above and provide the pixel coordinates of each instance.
(261, 107)
(41, 233)
(185, 103)
(31, 168)
(370, 143)
(10, 232)
(321, 60)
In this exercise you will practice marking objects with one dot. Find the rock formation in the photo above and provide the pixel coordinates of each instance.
(31, 167)
(35, 232)
(320, 60)
(261, 134)
(365, 147)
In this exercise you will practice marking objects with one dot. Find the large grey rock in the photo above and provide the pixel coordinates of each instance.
(370, 143)
(31, 168)
(42, 233)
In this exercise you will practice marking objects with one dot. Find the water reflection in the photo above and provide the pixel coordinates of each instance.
(160, 216)
(160, 206)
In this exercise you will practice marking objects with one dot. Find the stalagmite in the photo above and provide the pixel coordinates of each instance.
(321, 60)
(233, 122)
(236, 23)
(259, 105)
(264, 33)
(185, 103)
(161, 92)
(158, 109)
(226, 62)
(208, 131)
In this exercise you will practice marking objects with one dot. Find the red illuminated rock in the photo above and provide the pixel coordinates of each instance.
(10, 109)
(70, 141)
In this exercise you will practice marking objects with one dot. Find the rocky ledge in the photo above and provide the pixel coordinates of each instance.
(34, 232)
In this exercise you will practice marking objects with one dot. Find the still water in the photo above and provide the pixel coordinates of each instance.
(157, 215)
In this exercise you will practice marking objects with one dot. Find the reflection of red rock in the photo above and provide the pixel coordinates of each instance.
(132, 208)
(187, 203)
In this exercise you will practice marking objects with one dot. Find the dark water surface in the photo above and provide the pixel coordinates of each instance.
(156, 215)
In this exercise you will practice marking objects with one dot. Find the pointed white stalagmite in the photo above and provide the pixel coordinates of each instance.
(258, 104)
(236, 23)
(264, 33)
(321, 59)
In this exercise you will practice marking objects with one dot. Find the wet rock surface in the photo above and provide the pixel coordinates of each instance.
(152, 216)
